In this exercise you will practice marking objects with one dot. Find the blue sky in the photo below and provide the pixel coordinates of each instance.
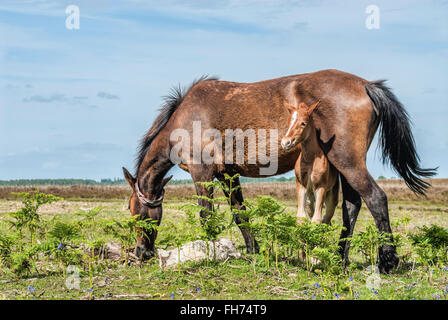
(73, 103)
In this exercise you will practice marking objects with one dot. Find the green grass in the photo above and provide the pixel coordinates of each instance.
(246, 278)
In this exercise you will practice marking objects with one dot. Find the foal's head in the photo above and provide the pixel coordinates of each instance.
(298, 124)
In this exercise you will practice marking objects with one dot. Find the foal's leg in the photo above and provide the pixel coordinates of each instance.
(301, 191)
(237, 202)
(310, 203)
(320, 196)
(331, 202)
(301, 202)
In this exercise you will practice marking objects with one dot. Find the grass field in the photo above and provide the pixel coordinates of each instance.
(246, 278)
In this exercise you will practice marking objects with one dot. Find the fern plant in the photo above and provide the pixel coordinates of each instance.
(431, 244)
(369, 241)
(127, 230)
(268, 221)
(27, 218)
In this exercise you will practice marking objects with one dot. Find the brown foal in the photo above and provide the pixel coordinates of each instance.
(315, 176)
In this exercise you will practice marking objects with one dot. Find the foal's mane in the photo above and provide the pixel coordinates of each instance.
(170, 103)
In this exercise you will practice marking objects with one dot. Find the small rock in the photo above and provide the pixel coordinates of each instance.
(197, 251)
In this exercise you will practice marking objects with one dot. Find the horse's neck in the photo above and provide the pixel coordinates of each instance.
(154, 167)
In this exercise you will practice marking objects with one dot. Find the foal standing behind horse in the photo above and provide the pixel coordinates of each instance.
(315, 176)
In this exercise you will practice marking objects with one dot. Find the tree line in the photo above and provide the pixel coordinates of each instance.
(115, 181)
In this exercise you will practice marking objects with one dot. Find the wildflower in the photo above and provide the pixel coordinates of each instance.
(337, 296)
(31, 289)
(198, 290)
(60, 246)
(374, 291)
(314, 296)
(436, 296)
(356, 294)
(445, 269)
(316, 285)
(351, 278)
(90, 290)
(172, 296)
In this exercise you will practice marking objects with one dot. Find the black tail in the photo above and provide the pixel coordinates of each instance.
(397, 142)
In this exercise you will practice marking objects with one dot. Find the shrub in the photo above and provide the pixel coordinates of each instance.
(28, 217)
(430, 244)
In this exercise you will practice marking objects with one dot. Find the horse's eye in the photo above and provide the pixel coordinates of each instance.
(303, 124)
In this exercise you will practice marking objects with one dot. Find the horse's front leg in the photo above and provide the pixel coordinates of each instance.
(200, 174)
(237, 202)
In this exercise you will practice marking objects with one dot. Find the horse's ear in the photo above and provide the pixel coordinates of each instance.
(290, 107)
(313, 107)
(166, 180)
(129, 178)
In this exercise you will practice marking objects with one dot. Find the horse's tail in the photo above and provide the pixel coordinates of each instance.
(396, 139)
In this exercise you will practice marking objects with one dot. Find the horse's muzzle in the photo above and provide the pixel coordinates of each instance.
(287, 144)
(142, 253)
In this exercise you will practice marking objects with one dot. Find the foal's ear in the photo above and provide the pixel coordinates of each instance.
(290, 107)
(166, 180)
(129, 178)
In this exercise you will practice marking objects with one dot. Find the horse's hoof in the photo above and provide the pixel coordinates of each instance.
(142, 253)
(388, 259)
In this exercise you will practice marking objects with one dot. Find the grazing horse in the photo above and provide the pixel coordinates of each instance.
(315, 176)
(351, 111)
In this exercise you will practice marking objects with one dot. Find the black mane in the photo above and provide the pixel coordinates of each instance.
(170, 103)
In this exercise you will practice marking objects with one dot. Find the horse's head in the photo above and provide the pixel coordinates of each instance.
(298, 124)
(145, 204)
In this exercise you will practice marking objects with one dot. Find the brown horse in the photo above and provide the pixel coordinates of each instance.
(351, 111)
(315, 176)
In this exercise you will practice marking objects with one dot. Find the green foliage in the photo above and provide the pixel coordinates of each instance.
(318, 242)
(34, 252)
(20, 263)
(402, 221)
(369, 241)
(280, 236)
(431, 244)
(6, 247)
(128, 229)
(63, 232)
(28, 217)
(270, 224)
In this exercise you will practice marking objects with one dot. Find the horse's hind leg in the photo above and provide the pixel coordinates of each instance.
(351, 204)
(331, 202)
(237, 202)
(376, 200)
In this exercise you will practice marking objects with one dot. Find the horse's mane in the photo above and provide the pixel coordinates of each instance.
(170, 103)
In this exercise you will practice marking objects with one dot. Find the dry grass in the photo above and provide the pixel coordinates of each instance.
(395, 189)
